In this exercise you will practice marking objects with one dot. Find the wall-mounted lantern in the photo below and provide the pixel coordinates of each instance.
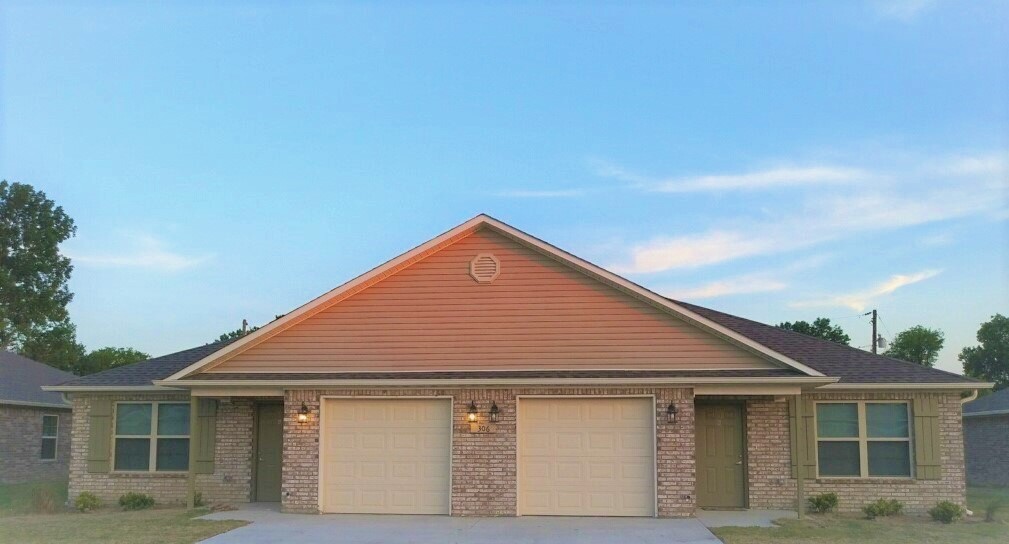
(671, 413)
(472, 411)
(303, 413)
(494, 411)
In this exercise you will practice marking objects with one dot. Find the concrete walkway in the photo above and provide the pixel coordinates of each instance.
(743, 518)
(270, 526)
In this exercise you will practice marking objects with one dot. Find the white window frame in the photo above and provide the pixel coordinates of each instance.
(55, 438)
(152, 436)
(863, 439)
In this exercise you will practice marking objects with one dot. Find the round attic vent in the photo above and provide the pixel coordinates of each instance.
(484, 268)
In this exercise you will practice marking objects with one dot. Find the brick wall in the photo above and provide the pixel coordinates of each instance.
(986, 444)
(772, 486)
(232, 475)
(484, 465)
(21, 445)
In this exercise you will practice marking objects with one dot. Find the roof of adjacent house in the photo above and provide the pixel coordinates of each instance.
(21, 380)
(994, 404)
(851, 365)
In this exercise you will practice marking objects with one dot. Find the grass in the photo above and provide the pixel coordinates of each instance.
(155, 526)
(852, 529)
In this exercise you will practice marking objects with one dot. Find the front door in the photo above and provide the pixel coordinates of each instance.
(720, 472)
(269, 437)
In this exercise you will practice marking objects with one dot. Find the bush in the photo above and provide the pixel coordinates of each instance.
(946, 512)
(44, 500)
(992, 508)
(881, 508)
(87, 501)
(198, 499)
(136, 501)
(824, 502)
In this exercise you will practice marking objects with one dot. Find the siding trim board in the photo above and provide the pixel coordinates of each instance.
(458, 234)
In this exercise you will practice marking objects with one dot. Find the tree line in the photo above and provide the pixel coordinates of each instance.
(34, 295)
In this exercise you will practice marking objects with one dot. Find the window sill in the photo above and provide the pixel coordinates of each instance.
(869, 480)
(141, 474)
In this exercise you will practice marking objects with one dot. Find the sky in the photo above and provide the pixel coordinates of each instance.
(779, 161)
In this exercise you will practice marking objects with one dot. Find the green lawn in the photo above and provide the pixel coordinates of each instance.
(851, 529)
(155, 526)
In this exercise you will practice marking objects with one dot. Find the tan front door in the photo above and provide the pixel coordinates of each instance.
(386, 456)
(720, 474)
(586, 456)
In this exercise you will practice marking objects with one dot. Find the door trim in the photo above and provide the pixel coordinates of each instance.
(322, 435)
(744, 444)
(253, 495)
(655, 453)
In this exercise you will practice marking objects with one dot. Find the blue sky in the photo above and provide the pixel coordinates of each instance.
(779, 161)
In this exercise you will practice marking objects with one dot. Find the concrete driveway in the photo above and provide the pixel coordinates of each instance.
(269, 527)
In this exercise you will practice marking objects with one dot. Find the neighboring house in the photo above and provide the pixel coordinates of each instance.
(488, 373)
(986, 439)
(34, 424)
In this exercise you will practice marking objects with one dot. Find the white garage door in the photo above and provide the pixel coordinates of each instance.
(586, 457)
(383, 456)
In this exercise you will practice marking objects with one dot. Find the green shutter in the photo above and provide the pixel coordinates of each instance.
(927, 442)
(803, 438)
(99, 435)
(206, 436)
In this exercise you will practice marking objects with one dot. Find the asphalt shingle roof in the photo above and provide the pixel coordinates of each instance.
(21, 380)
(996, 402)
(851, 365)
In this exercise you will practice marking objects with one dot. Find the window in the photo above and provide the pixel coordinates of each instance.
(50, 431)
(863, 439)
(152, 436)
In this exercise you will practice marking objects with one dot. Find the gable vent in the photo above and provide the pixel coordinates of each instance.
(484, 268)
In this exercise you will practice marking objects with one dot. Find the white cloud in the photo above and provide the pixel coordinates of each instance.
(147, 252)
(771, 178)
(861, 300)
(730, 286)
(902, 10)
(936, 191)
(556, 193)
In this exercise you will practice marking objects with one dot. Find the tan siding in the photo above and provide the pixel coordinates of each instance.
(538, 314)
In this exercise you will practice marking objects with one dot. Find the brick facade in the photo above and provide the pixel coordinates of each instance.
(21, 444)
(484, 465)
(229, 483)
(986, 444)
(770, 479)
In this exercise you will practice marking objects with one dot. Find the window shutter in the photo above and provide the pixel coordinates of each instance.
(205, 435)
(99, 435)
(803, 438)
(927, 442)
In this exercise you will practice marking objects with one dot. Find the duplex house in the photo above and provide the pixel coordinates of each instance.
(489, 373)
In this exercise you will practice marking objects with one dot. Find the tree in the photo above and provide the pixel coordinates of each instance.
(33, 273)
(108, 357)
(990, 360)
(820, 328)
(56, 346)
(918, 344)
(236, 334)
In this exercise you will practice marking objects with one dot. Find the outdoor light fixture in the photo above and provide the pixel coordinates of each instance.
(303, 413)
(472, 411)
(671, 413)
(494, 411)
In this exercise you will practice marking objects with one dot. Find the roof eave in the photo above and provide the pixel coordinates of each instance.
(806, 381)
(107, 388)
(987, 413)
(29, 404)
(961, 386)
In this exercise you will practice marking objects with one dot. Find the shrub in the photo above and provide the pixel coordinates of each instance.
(824, 502)
(44, 500)
(946, 512)
(992, 508)
(882, 508)
(87, 501)
(136, 501)
(198, 499)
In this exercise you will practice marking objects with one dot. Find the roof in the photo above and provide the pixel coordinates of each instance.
(995, 404)
(21, 380)
(145, 372)
(494, 374)
(851, 365)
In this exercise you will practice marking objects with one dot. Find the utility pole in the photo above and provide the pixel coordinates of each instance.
(873, 314)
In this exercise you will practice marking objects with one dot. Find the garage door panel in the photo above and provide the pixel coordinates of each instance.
(586, 456)
(386, 456)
